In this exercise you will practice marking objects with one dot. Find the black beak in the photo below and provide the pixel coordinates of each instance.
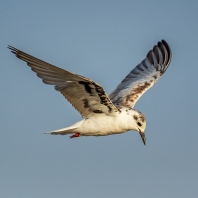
(143, 137)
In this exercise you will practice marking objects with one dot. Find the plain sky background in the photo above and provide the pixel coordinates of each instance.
(102, 40)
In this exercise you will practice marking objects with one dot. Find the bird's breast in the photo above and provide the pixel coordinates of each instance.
(103, 124)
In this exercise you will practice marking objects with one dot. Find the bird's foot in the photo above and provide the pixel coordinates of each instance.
(75, 135)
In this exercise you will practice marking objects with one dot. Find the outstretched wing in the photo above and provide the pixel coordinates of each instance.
(142, 77)
(84, 94)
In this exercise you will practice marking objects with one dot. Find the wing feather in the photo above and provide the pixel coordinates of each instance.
(84, 94)
(143, 76)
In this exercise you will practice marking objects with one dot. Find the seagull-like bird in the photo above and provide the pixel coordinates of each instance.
(103, 114)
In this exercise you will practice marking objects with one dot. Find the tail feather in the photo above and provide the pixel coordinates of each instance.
(67, 130)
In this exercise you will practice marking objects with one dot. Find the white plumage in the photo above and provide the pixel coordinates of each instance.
(103, 114)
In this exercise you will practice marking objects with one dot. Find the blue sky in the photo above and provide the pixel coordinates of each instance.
(104, 41)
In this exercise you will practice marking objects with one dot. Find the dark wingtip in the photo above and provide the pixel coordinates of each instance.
(166, 53)
(168, 50)
(13, 49)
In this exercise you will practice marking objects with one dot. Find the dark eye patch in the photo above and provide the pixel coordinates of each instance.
(139, 124)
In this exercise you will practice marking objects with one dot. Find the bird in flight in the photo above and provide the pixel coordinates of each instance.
(102, 114)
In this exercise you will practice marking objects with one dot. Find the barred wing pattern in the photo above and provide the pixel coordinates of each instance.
(142, 77)
(84, 94)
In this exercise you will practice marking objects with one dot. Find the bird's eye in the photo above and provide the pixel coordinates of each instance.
(139, 124)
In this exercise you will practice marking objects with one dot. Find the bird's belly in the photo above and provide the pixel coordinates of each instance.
(103, 125)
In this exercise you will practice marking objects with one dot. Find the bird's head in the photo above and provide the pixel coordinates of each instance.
(140, 124)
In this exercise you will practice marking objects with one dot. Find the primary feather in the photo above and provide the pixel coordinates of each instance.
(142, 77)
(84, 94)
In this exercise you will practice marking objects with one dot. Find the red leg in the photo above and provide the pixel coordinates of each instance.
(75, 135)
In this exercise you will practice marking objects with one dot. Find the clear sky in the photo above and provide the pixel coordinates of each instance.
(102, 40)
